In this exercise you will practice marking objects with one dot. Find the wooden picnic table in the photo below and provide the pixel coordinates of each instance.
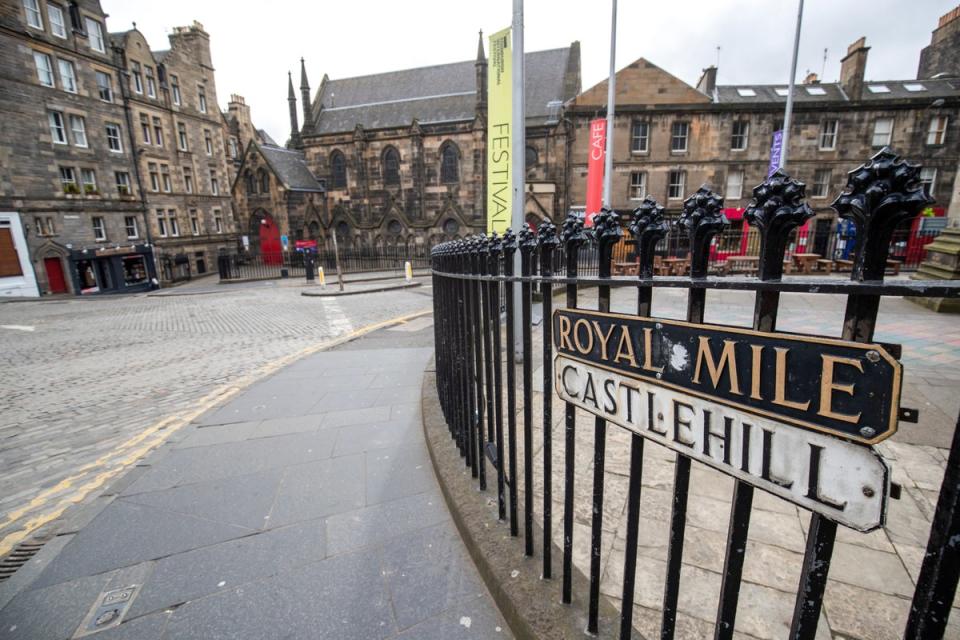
(805, 261)
(626, 268)
(677, 266)
(742, 264)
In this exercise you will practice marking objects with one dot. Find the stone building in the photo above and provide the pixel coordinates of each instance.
(402, 154)
(113, 161)
(68, 188)
(240, 131)
(670, 138)
(180, 137)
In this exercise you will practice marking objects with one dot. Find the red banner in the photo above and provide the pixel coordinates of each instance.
(598, 143)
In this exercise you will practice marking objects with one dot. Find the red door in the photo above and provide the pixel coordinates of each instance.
(55, 279)
(270, 247)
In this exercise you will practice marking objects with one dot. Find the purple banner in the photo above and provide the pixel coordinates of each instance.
(775, 147)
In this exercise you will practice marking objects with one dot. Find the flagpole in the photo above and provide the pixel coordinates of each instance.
(518, 147)
(788, 113)
(611, 93)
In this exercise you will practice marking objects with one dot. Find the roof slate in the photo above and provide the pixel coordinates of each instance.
(291, 168)
(439, 93)
(728, 94)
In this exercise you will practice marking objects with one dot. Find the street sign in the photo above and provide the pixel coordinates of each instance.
(847, 482)
(846, 389)
(305, 245)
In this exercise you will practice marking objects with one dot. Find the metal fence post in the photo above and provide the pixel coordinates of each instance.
(701, 220)
(648, 227)
(547, 242)
(573, 238)
(509, 251)
(608, 233)
(528, 243)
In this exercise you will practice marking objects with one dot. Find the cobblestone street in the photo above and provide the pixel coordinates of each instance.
(81, 377)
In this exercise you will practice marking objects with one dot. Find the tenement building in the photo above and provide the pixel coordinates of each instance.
(113, 169)
(70, 205)
(180, 137)
(671, 138)
(402, 154)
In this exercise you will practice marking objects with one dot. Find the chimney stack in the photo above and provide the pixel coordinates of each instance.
(708, 81)
(852, 69)
(942, 55)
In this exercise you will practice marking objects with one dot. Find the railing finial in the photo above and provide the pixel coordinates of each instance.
(527, 239)
(777, 208)
(880, 194)
(648, 227)
(606, 228)
(702, 218)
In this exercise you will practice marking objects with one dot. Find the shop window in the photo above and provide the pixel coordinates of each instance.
(134, 270)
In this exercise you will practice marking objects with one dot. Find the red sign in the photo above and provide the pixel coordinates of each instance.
(305, 244)
(598, 143)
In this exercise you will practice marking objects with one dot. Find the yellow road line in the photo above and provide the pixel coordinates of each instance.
(128, 452)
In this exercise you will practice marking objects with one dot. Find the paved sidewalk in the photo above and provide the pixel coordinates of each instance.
(304, 508)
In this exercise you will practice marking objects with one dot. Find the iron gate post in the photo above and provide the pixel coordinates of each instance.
(573, 239)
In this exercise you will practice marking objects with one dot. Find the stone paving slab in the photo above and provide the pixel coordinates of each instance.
(325, 524)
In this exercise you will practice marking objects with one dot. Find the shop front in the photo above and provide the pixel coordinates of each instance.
(113, 270)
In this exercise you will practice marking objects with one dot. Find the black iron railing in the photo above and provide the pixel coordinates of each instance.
(881, 196)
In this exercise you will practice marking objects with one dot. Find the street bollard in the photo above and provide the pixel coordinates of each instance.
(408, 270)
(323, 279)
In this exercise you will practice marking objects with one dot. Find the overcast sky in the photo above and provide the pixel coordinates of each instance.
(255, 43)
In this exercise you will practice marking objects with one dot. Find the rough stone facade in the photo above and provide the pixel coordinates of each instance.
(836, 127)
(181, 137)
(49, 63)
(942, 55)
(75, 161)
(402, 155)
(278, 196)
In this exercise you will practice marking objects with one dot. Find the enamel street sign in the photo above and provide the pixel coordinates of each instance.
(847, 389)
(678, 384)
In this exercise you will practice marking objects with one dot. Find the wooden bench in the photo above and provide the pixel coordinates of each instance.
(825, 265)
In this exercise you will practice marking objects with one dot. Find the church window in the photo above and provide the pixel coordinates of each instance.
(391, 167)
(264, 181)
(449, 164)
(338, 171)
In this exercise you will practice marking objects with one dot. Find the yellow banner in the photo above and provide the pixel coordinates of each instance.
(499, 123)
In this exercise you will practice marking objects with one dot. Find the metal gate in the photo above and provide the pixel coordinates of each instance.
(474, 286)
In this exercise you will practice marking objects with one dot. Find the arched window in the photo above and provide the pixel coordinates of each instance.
(264, 181)
(251, 185)
(531, 157)
(391, 166)
(449, 163)
(338, 170)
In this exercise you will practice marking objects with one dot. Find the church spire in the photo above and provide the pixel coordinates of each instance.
(481, 66)
(292, 100)
(305, 98)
